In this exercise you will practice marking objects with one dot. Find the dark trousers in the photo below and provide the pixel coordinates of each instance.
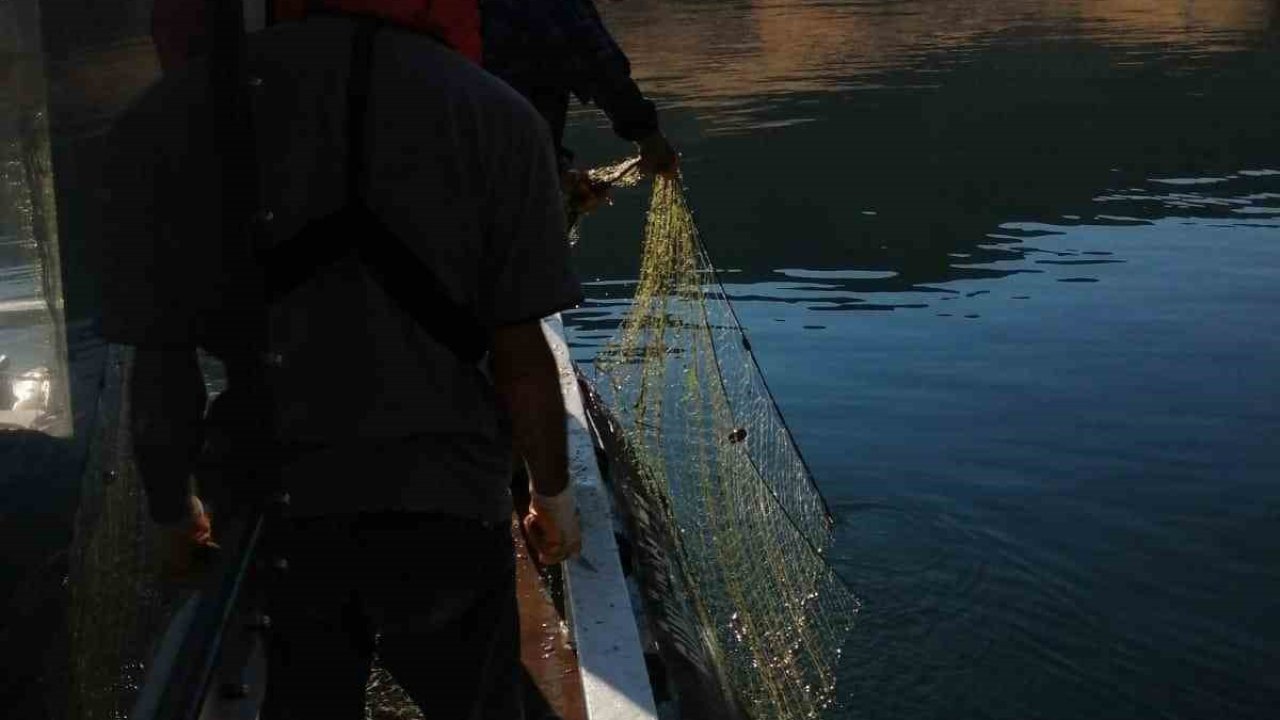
(433, 596)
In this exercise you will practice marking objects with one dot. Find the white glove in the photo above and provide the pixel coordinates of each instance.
(552, 527)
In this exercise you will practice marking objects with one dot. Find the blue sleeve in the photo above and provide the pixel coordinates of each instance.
(602, 72)
(561, 46)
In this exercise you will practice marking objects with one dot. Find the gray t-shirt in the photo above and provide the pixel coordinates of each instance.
(460, 168)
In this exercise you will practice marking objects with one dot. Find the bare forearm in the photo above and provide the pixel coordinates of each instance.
(527, 379)
(167, 409)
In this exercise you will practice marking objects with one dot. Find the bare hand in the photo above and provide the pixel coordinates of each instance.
(188, 545)
(657, 157)
(552, 527)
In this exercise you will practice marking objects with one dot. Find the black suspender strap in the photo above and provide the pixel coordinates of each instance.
(401, 274)
(357, 127)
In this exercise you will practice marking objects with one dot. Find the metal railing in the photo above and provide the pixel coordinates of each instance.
(187, 656)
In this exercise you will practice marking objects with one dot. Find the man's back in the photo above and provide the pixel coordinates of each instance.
(398, 536)
(459, 169)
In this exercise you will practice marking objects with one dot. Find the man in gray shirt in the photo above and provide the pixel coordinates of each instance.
(397, 451)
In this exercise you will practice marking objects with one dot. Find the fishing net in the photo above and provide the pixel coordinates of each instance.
(119, 604)
(740, 528)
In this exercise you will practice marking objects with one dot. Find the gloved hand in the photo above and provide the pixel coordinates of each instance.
(552, 527)
(188, 545)
(582, 194)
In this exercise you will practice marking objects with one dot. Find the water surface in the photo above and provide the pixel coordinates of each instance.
(1012, 270)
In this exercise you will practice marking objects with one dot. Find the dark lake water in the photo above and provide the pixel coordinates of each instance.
(1012, 269)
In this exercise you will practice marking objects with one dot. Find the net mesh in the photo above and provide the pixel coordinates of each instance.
(704, 435)
(118, 603)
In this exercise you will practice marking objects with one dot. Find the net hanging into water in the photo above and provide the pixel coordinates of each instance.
(741, 528)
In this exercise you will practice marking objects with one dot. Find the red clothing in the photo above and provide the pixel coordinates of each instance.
(456, 22)
(180, 31)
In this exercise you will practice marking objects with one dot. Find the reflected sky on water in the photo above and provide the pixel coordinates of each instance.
(1012, 270)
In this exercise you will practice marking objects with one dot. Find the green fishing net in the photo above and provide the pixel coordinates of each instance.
(722, 484)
